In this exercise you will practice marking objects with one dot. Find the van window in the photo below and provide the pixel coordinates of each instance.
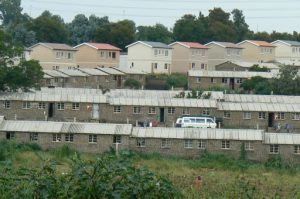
(193, 120)
(210, 121)
(200, 120)
(186, 121)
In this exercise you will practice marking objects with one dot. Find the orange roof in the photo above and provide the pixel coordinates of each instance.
(262, 43)
(194, 45)
(103, 46)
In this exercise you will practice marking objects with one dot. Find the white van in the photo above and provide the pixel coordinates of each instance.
(196, 122)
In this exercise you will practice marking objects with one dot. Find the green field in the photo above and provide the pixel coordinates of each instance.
(223, 177)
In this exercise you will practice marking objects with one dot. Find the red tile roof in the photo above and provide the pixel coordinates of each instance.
(103, 46)
(261, 43)
(194, 45)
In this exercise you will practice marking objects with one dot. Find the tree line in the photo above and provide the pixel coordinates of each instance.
(218, 25)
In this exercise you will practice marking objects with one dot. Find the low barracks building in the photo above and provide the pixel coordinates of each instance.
(188, 143)
(142, 106)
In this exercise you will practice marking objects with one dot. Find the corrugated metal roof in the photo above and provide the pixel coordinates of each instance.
(55, 73)
(130, 71)
(282, 138)
(111, 71)
(263, 107)
(229, 74)
(250, 64)
(92, 71)
(262, 98)
(143, 93)
(73, 72)
(65, 127)
(199, 133)
(167, 102)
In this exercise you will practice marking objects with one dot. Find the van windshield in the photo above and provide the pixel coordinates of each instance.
(210, 121)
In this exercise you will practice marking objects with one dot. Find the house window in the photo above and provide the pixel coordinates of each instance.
(117, 109)
(247, 115)
(56, 137)
(226, 114)
(60, 106)
(69, 55)
(155, 52)
(193, 65)
(249, 146)
(224, 80)
(239, 80)
(75, 106)
(203, 53)
(132, 64)
(26, 105)
(155, 65)
(109, 54)
(114, 55)
(279, 116)
(185, 111)
(297, 149)
(69, 137)
(102, 54)
(152, 110)
(171, 110)
(165, 143)
(115, 77)
(206, 111)
(201, 144)
(117, 139)
(198, 79)
(213, 80)
(136, 110)
(33, 137)
(295, 116)
(6, 104)
(166, 66)
(225, 144)
(166, 53)
(188, 144)
(42, 105)
(92, 138)
(274, 148)
(140, 142)
(262, 115)
(203, 66)
(10, 135)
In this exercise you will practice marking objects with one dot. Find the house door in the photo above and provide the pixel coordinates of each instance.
(231, 83)
(119, 81)
(162, 115)
(271, 119)
(50, 110)
(95, 112)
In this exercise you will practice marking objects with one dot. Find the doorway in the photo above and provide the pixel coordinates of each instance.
(161, 114)
(50, 110)
(231, 83)
(119, 81)
(95, 111)
(271, 119)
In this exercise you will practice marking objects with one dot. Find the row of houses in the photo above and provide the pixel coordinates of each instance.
(177, 57)
(141, 107)
(97, 78)
(189, 143)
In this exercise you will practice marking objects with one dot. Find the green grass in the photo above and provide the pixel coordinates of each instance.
(223, 177)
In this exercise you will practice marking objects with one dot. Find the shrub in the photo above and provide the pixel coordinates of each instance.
(133, 84)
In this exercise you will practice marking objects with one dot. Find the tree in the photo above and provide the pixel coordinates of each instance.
(158, 33)
(10, 11)
(257, 85)
(240, 25)
(187, 29)
(287, 82)
(49, 28)
(256, 68)
(79, 29)
(133, 84)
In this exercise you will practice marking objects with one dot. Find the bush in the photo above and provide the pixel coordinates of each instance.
(63, 152)
(133, 84)
(176, 81)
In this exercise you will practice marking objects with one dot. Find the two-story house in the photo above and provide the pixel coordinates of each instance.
(220, 52)
(150, 57)
(188, 56)
(93, 55)
(257, 51)
(287, 51)
(53, 55)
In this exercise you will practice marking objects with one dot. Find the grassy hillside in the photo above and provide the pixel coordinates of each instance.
(223, 177)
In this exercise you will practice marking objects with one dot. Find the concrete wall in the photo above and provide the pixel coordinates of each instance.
(142, 58)
(48, 60)
(209, 82)
(183, 58)
(252, 53)
(89, 57)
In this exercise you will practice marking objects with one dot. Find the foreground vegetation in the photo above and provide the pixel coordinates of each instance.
(28, 172)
